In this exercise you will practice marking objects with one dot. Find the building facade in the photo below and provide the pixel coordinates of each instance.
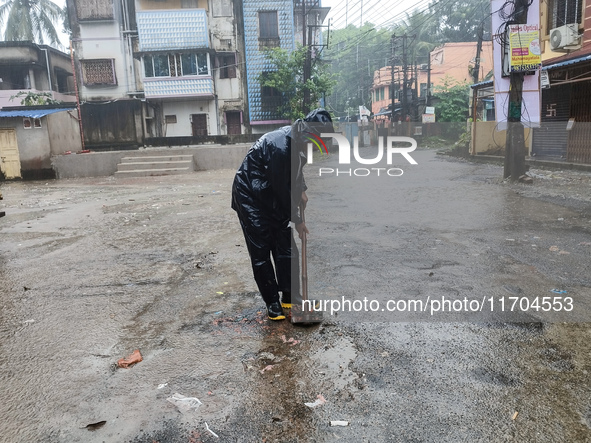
(451, 62)
(26, 67)
(153, 69)
(275, 24)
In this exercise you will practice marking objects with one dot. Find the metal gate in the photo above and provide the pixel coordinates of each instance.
(550, 139)
(579, 141)
(10, 164)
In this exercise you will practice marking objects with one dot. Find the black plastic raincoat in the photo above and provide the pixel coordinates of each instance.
(266, 194)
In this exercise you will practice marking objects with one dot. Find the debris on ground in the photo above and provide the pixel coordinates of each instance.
(320, 400)
(291, 340)
(554, 249)
(210, 431)
(266, 368)
(515, 414)
(559, 291)
(130, 360)
(163, 385)
(339, 423)
(95, 426)
(184, 403)
(526, 179)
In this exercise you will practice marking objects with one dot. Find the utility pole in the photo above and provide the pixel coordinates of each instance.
(428, 101)
(515, 144)
(347, 14)
(392, 92)
(417, 90)
(307, 72)
(404, 79)
(303, 22)
(361, 19)
(307, 62)
(476, 73)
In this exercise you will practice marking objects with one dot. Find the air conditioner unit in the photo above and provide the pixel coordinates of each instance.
(565, 38)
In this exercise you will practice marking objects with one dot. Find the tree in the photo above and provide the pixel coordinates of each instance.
(452, 101)
(286, 78)
(460, 20)
(31, 20)
(355, 53)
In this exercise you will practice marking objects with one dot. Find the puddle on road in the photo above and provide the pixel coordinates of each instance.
(333, 362)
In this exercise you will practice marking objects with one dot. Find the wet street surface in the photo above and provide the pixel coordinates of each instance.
(93, 269)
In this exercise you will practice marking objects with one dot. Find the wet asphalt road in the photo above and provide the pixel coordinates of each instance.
(92, 269)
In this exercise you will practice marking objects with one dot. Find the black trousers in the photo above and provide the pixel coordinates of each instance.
(283, 272)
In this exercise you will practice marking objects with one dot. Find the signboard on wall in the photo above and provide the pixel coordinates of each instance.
(524, 48)
(544, 80)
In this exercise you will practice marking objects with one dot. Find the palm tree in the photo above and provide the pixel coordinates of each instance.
(31, 20)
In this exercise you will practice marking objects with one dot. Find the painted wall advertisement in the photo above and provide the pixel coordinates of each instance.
(524, 45)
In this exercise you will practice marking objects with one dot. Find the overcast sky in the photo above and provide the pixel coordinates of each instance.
(378, 12)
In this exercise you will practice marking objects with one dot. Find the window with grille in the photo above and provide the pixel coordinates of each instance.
(189, 4)
(271, 97)
(98, 72)
(176, 65)
(227, 65)
(222, 8)
(94, 9)
(268, 29)
(561, 12)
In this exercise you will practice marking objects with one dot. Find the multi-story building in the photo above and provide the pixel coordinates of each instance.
(450, 62)
(159, 68)
(271, 24)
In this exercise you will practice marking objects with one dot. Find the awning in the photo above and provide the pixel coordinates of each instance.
(484, 83)
(37, 113)
(572, 61)
(386, 112)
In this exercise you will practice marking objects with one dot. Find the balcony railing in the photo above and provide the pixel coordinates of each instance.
(178, 87)
(160, 30)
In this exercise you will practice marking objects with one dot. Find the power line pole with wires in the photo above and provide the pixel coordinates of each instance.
(514, 166)
(392, 91)
(404, 78)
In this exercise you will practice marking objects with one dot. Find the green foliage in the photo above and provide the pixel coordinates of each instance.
(452, 101)
(460, 20)
(35, 98)
(287, 78)
(357, 52)
(31, 20)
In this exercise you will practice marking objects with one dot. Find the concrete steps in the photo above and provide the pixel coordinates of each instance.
(148, 165)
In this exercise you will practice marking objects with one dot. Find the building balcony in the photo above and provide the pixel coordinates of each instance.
(6, 94)
(165, 30)
(178, 87)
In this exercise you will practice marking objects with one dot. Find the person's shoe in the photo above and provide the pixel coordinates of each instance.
(286, 300)
(275, 312)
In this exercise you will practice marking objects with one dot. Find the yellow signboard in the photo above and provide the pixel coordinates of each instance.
(524, 46)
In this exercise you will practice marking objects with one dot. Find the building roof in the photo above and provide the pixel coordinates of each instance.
(572, 61)
(32, 113)
(484, 83)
